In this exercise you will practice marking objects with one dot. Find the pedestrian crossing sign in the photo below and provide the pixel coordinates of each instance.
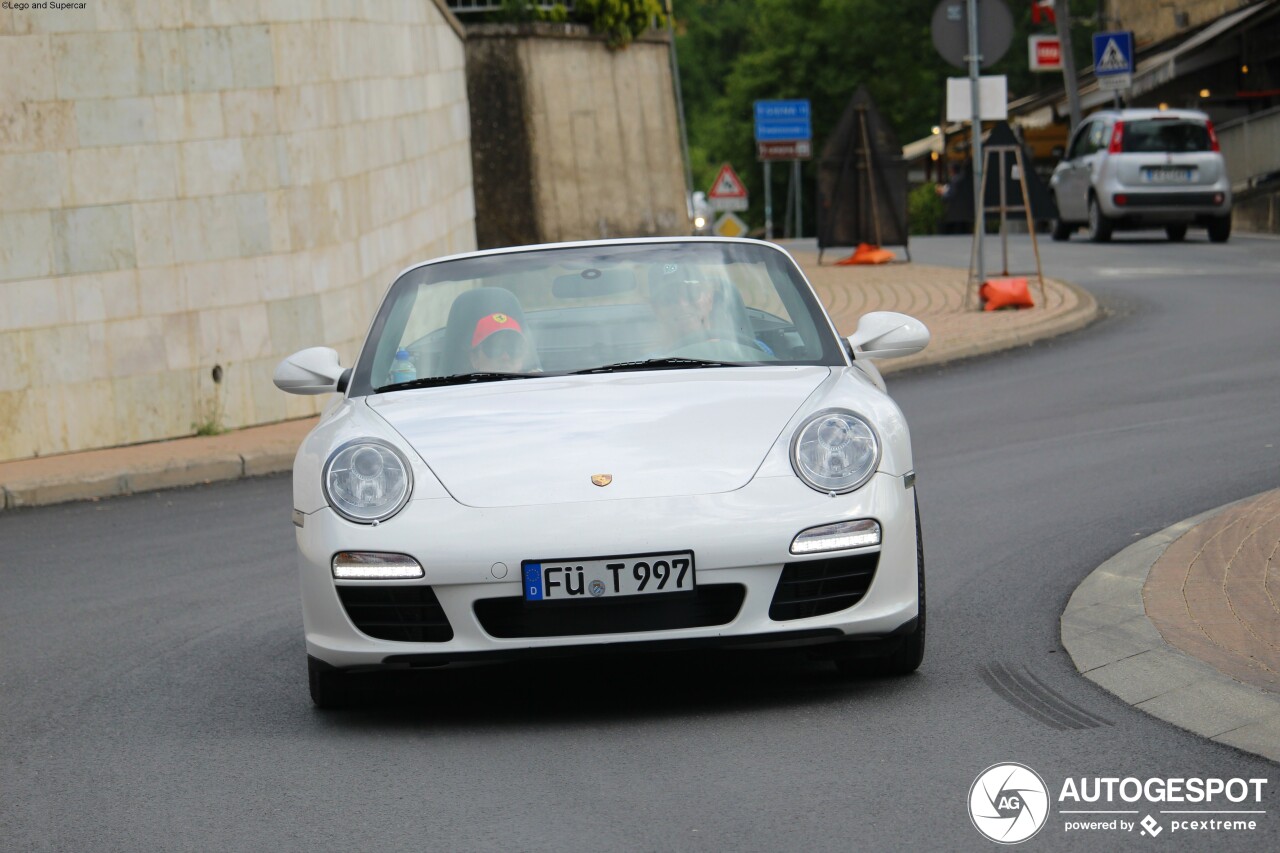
(1113, 59)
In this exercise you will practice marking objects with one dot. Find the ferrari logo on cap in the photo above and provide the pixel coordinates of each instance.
(602, 479)
(499, 318)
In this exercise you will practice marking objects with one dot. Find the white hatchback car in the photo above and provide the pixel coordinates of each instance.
(621, 443)
(1141, 168)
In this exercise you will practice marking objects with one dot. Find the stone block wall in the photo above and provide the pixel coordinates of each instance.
(571, 140)
(1156, 20)
(190, 191)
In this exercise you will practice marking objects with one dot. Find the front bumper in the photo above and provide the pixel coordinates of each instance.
(740, 540)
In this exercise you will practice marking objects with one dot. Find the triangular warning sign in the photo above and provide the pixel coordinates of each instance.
(727, 184)
(1113, 58)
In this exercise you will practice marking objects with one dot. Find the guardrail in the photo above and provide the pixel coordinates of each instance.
(1251, 147)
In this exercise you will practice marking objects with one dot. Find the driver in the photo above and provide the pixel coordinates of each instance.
(498, 345)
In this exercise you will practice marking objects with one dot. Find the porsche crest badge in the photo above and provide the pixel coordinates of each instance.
(602, 479)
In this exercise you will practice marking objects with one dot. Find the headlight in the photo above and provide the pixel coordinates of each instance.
(835, 451)
(367, 481)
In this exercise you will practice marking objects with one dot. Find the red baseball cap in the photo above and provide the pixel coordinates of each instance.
(490, 323)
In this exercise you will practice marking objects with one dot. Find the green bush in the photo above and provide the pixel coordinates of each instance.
(620, 20)
(924, 209)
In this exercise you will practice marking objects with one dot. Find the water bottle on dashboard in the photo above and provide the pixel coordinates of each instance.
(402, 369)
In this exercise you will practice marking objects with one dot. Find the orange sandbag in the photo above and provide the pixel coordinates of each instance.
(868, 254)
(1005, 293)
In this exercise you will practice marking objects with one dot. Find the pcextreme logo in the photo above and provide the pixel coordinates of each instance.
(1009, 803)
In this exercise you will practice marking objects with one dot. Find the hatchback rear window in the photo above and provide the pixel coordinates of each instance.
(1162, 134)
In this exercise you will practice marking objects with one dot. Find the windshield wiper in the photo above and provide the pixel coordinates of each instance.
(456, 379)
(654, 364)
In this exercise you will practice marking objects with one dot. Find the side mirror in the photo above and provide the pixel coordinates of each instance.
(888, 334)
(315, 370)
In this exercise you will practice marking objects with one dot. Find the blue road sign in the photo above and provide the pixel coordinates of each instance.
(783, 121)
(1112, 54)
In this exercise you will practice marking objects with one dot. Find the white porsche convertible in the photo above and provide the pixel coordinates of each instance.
(592, 446)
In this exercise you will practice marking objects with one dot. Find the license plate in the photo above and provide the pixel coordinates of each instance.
(1166, 175)
(607, 577)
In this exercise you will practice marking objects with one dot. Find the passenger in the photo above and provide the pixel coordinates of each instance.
(690, 310)
(499, 345)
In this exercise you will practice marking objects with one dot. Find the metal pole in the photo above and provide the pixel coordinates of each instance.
(768, 204)
(1004, 215)
(975, 63)
(684, 134)
(1062, 19)
(799, 216)
(1031, 223)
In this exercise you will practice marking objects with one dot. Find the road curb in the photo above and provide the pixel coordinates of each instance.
(164, 474)
(1111, 641)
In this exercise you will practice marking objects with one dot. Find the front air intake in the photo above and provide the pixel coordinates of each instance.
(818, 587)
(408, 614)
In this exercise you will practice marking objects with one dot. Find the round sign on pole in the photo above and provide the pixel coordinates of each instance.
(950, 28)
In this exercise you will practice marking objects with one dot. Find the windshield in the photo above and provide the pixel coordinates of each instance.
(579, 309)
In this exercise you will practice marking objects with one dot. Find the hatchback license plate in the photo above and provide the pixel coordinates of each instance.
(607, 577)
(1166, 175)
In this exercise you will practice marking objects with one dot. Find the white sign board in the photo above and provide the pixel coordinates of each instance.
(1115, 82)
(1044, 53)
(993, 98)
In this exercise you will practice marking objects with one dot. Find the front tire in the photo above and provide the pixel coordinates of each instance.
(899, 655)
(1060, 231)
(1175, 233)
(1099, 223)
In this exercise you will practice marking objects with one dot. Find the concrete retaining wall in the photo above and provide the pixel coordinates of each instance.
(1157, 20)
(570, 140)
(191, 186)
(1257, 211)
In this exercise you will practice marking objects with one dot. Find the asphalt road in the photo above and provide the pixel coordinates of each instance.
(153, 690)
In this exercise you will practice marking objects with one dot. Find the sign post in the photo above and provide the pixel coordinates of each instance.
(783, 132)
(975, 64)
(974, 38)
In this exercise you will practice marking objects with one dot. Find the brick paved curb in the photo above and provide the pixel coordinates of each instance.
(1106, 631)
(1085, 312)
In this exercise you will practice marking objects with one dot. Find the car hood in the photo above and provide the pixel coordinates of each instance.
(526, 441)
